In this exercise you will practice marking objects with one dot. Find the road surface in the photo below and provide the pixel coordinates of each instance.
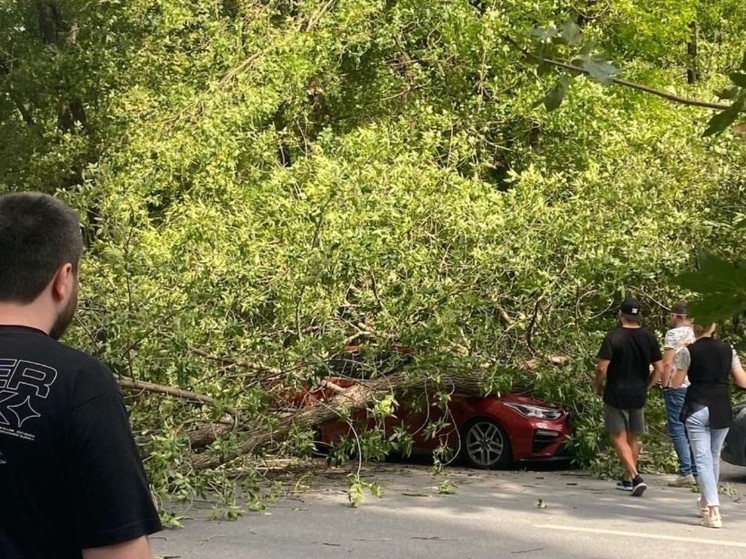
(494, 514)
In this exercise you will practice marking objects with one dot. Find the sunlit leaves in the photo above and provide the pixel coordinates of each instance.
(276, 183)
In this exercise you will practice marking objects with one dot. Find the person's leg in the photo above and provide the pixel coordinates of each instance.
(633, 440)
(617, 426)
(697, 426)
(717, 438)
(625, 453)
(674, 399)
(636, 428)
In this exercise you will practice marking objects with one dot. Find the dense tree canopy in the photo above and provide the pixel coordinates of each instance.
(266, 182)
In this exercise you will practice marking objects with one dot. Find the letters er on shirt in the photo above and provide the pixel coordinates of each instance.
(22, 383)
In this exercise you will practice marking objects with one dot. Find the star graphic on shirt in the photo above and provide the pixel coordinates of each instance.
(24, 411)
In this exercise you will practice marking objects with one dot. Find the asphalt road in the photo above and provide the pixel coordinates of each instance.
(492, 515)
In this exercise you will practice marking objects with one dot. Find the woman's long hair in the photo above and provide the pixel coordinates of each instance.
(704, 331)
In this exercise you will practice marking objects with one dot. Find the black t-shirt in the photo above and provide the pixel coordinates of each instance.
(70, 474)
(630, 352)
(709, 371)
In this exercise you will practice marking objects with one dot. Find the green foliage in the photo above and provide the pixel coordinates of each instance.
(357, 489)
(446, 487)
(268, 183)
(723, 284)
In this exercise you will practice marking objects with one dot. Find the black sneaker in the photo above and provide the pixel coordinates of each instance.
(624, 485)
(638, 487)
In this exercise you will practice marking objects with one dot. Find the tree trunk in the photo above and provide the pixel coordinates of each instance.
(49, 21)
(356, 397)
(51, 29)
(692, 73)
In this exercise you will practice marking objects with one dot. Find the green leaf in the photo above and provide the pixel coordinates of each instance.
(599, 68)
(446, 488)
(571, 32)
(729, 93)
(544, 33)
(738, 78)
(588, 48)
(543, 69)
(556, 95)
(743, 62)
(722, 286)
(720, 121)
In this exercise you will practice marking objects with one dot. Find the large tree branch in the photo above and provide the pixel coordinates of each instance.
(170, 391)
(25, 113)
(322, 409)
(258, 367)
(624, 83)
(355, 397)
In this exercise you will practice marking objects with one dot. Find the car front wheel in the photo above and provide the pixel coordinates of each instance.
(485, 445)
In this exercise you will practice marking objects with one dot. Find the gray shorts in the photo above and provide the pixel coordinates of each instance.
(631, 421)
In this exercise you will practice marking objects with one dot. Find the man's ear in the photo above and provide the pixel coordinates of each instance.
(63, 282)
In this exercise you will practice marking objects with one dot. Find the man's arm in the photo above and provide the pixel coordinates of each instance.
(138, 548)
(111, 507)
(678, 378)
(668, 367)
(737, 372)
(601, 367)
(656, 374)
(681, 367)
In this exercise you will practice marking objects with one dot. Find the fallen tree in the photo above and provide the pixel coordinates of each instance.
(315, 410)
(322, 403)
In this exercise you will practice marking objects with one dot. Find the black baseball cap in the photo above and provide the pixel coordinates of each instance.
(680, 308)
(630, 307)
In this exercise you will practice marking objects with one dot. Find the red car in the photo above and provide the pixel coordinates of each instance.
(487, 432)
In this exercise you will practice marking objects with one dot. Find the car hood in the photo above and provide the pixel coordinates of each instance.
(523, 399)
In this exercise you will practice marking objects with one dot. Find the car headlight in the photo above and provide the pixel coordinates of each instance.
(538, 412)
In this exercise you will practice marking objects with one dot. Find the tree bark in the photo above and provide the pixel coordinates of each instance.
(692, 73)
(208, 434)
(355, 397)
(51, 29)
(49, 21)
(25, 113)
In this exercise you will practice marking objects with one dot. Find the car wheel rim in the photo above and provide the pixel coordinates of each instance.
(484, 443)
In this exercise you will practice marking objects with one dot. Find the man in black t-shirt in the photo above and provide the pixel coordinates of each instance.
(72, 484)
(624, 362)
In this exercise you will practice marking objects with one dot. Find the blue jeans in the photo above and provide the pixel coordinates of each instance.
(674, 398)
(706, 444)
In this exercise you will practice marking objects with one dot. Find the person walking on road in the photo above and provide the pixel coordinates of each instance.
(680, 335)
(624, 361)
(707, 410)
(72, 485)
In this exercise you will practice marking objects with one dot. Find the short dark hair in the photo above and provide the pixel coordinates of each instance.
(38, 234)
(630, 317)
(680, 309)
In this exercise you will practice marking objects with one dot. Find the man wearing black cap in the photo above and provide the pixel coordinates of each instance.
(624, 361)
(679, 336)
